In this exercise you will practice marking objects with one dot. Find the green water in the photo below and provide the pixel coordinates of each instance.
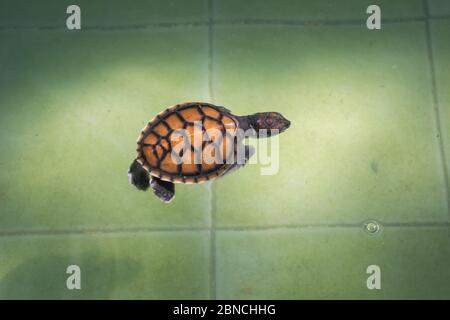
(370, 140)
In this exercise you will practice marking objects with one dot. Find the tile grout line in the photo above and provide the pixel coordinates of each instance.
(249, 21)
(312, 23)
(337, 225)
(436, 106)
(163, 25)
(212, 227)
(99, 231)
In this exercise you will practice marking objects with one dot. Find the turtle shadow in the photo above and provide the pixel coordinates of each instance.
(45, 277)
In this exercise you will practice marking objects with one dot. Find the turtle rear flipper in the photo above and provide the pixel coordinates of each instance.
(164, 190)
(138, 176)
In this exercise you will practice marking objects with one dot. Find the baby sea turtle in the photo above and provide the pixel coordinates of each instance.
(196, 142)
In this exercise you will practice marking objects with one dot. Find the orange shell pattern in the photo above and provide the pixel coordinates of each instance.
(208, 130)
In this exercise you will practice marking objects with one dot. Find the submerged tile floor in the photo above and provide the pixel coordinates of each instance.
(370, 140)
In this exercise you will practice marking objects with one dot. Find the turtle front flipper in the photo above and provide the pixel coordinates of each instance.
(249, 152)
(164, 190)
(138, 176)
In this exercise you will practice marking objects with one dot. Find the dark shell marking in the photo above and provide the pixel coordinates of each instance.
(154, 145)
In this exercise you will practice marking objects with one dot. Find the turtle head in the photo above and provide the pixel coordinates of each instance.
(269, 121)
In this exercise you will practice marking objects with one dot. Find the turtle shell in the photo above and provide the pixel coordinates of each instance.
(188, 143)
